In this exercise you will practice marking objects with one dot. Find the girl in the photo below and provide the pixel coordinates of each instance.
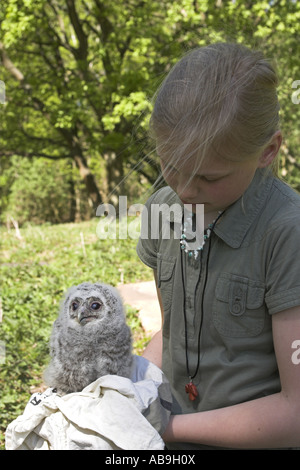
(230, 306)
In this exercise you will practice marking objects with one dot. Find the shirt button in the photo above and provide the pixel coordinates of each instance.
(236, 308)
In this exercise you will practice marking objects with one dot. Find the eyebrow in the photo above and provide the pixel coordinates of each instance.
(216, 174)
(208, 174)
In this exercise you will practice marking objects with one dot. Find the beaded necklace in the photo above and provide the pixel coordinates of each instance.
(188, 232)
(187, 226)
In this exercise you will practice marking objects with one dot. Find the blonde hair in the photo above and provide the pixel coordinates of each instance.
(222, 97)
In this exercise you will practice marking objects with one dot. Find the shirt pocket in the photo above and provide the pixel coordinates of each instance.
(165, 279)
(239, 307)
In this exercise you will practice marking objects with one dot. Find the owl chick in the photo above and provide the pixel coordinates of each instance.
(89, 339)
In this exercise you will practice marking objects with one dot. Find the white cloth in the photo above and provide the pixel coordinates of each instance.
(112, 413)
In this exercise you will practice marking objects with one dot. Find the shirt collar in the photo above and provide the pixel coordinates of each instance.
(238, 218)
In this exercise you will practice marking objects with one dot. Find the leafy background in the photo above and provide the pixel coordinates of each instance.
(80, 76)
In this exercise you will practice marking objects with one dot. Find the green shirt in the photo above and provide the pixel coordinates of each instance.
(250, 271)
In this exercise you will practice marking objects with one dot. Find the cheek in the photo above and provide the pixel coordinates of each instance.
(171, 179)
(240, 184)
(222, 194)
(230, 191)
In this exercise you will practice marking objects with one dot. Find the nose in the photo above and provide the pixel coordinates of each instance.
(187, 190)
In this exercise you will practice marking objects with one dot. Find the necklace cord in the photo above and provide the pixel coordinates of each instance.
(191, 377)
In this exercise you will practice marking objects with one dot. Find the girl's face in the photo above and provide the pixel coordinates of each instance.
(217, 183)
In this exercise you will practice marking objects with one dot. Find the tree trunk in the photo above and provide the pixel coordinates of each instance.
(73, 212)
(76, 151)
(89, 180)
(115, 175)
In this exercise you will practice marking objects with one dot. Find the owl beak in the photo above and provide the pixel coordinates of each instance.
(80, 315)
(84, 317)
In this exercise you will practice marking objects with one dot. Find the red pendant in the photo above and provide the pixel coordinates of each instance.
(191, 389)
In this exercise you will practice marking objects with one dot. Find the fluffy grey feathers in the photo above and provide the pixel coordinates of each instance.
(89, 339)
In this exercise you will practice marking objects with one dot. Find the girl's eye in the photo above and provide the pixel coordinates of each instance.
(96, 305)
(169, 169)
(210, 180)
(75, 306)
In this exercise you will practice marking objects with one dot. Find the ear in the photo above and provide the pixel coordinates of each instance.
(270, 151)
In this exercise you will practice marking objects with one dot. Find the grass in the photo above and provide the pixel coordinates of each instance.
(35, 271)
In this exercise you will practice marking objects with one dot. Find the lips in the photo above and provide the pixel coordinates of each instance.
(186, 202)
(192, 203)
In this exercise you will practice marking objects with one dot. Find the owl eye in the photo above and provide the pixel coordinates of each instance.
(96, 305)
(74, 306)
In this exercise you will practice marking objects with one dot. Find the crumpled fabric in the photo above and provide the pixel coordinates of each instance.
(112, 413)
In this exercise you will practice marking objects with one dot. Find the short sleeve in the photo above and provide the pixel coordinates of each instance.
(283, 270)
(147, 247)
(151, 225)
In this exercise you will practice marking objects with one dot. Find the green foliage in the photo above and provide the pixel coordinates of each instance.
(40, 191)
(35, 271)
(80, 75)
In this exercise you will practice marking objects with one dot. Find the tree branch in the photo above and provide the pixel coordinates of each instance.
(43, 140)
(106, 25)
(9, 66)
(10, 153)
(106, 30)
(62, 40)
(82, 50)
